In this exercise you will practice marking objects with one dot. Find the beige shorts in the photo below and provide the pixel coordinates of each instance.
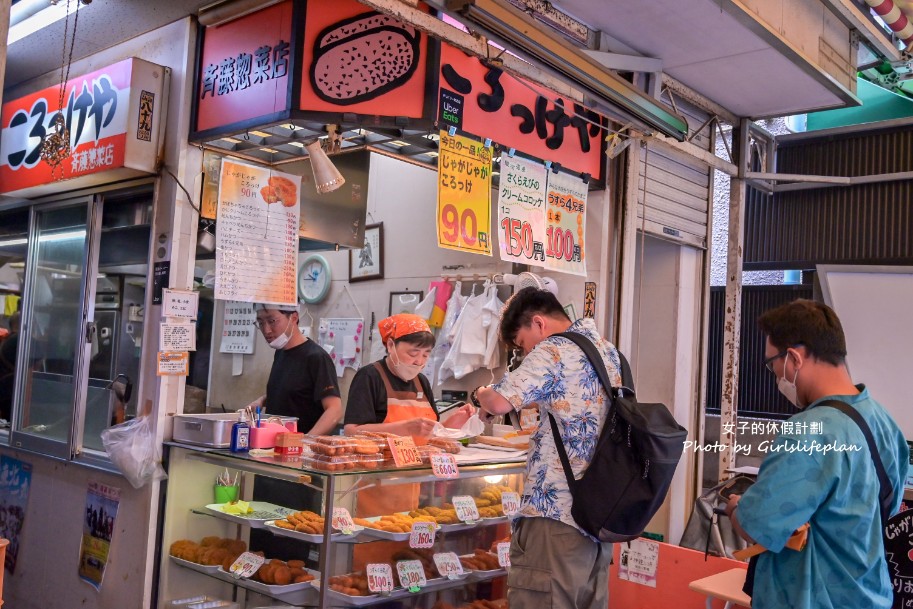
(555, 566)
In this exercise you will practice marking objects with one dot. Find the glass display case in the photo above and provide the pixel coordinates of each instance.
(326, 526)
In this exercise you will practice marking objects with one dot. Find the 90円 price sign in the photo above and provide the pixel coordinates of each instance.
(246, 565)
(444, 466)
(380, 577)
(342, 521)
(411, 575)
(466, 509)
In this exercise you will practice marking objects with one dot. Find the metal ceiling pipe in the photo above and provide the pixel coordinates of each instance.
(894, 18)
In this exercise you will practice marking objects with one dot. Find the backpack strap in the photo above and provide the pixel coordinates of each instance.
(886, 492)
(592, 353)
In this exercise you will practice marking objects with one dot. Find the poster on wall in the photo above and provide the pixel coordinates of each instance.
(464, 195)
(521, 211)
(238, 328)
(97, 529)
(342, 338)
(565, 224)
(257, 234)
(15, 481)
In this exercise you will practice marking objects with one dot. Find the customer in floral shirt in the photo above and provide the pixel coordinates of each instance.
(553, 562)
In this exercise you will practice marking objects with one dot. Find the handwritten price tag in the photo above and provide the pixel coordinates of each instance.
(411, 575)
(510, 503)
(466, 509)
(422, 535)
(342, 521)
(380, 578)
(504, 554)
(404, 451)
(246, 565)
(448, 565)
(444, 466)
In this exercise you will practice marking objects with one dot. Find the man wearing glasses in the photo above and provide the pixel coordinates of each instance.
(302, 382)
(836, 491)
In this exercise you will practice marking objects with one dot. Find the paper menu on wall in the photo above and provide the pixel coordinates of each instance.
(257, 234)
(177, 337)
(565, 224)
(342, 338)
(521, 210)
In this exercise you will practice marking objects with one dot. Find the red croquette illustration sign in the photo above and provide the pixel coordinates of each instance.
(360, 61)
(244, 68)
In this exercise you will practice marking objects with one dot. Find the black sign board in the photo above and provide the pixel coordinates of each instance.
(451, 109)
(161, 272)
(898, 549)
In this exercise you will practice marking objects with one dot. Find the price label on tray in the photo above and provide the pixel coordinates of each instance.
(422, 535)
(444, 466)
(411, 575)
(466, 509)
(342, 521)
(404, 451)
(246, 565)
(380, 578)
(510, 503)
(448, 565)
(504, 554)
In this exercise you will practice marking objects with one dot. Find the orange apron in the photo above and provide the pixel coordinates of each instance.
(379, 501)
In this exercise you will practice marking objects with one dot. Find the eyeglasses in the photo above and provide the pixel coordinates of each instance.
(769, 362)
(269, 321)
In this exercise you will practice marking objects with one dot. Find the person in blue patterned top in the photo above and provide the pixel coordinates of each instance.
(553, 562)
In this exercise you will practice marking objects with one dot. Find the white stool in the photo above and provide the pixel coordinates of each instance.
(726, 586)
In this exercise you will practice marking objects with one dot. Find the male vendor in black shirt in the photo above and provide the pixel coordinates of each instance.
(302, 382)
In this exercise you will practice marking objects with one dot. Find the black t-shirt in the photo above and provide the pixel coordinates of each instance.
(300, 378)
(368, 396)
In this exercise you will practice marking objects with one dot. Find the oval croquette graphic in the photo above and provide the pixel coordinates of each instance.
(362, 57)
(280, 190)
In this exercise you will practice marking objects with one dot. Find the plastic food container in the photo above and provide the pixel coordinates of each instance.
(374, 461)
(331, 446)
(330, 463)
(425, 452)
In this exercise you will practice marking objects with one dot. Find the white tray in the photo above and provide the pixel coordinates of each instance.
(378, 534)
(354, 601)
(313, 538)
(460, 526)
(195, 565)
(270, 589)
(482, 574)
(263, 511)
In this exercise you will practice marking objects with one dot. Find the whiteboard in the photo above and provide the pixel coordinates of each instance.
(875, 306)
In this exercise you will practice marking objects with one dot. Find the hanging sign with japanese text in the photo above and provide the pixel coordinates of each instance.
(257, 234)
(486, 102)
(565, 224)
(464, 195)
(113, 116)
(244, 68)
(521, 211)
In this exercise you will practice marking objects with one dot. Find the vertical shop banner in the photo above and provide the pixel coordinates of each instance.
(257, 234)
(238, 328)
(521, 211)
(15, 481)
(97, 529)
(565, 224)
(464, 195)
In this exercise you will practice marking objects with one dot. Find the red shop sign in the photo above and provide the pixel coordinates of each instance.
(113, 117)
(244, 67)
(490, 103)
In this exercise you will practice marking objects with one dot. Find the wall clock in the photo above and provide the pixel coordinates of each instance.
(314, 279)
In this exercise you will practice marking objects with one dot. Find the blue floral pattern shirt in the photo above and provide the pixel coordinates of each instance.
(557, 377)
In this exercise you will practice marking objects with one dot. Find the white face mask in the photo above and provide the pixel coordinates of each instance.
(788, 388)
(282, 340)
(407, 372)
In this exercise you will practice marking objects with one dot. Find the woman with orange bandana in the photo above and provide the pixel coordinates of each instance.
(392, 395)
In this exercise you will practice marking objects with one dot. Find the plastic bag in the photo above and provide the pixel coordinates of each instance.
(133, 449)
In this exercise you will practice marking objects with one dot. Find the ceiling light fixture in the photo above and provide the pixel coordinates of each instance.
(326, 177)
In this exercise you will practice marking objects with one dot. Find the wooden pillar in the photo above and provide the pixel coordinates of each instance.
(733, 312)
(5, 8)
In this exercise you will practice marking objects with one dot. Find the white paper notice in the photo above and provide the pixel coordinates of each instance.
(180, 303)
(177, 337)
(349, 344)
(238, 331)
(637, 563)
(565, 224)
(341, 337)
(521, 211)
(257, 234)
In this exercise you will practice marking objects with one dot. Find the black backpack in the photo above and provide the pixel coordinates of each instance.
(634, 461)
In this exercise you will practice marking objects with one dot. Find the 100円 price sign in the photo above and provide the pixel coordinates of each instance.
(464, 195)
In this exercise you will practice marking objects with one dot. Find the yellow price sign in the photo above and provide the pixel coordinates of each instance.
(464, 195)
